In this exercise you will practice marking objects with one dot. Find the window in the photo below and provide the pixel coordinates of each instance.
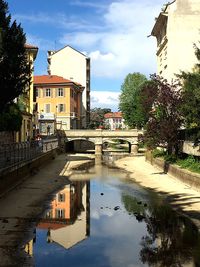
(36, 92)
(48, 92)
(60, 92)
(61, 107)
(49, 214)
(61, 197)
(60, 213)
(47, 108)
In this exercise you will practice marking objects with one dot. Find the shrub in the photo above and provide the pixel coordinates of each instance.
(158, 153)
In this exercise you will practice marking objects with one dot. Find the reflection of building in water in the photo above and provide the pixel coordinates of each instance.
(68, 219)
(29, 247)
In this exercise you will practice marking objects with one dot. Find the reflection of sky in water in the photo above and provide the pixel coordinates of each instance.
(115, 235)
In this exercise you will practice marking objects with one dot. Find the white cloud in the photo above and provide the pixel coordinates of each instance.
(40, 42)
(105, 99)
(121, 44)
(57, 20)
(87, 4)
(95, 214)
(116, 39)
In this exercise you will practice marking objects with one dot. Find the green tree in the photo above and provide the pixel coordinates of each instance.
(15, 71)
(11, 118)
(130, 104)
(97, 117)
(191, 94)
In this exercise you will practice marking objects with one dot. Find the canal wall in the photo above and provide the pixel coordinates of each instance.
(190, 178)
(13, 175)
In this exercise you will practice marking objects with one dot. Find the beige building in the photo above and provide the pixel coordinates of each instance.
(58, 102)
(176, 29)
(73, 65)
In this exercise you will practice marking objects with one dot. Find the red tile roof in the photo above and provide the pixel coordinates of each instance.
(51, 79)
(51, 225)
(29, 46)
(113, 115)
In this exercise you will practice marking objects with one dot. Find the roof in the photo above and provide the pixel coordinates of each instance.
(29, 46)
(160, 22)
(52, 79)
(54, 52)
(33, 49)
(161, 19)
(113, 115)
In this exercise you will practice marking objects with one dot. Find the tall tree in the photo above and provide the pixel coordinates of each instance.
(165, 117)
(130, 100)
(14, 68)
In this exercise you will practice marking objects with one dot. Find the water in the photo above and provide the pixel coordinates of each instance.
(104, 219)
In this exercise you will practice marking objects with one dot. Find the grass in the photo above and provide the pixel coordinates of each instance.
(190, 162)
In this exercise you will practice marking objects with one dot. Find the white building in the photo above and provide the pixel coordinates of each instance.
(114, 120)
(177, 28)
(73, 65)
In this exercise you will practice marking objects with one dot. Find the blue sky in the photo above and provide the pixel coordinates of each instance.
(112, 32)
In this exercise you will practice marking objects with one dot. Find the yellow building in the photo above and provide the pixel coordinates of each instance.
(177, 29)
(58, 103)
(25, 100)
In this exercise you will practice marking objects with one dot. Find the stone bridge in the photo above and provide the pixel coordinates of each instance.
(99, 136)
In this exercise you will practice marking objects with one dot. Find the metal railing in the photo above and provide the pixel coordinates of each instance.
(16, 153)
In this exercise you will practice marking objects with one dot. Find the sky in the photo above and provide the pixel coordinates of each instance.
(113, 33)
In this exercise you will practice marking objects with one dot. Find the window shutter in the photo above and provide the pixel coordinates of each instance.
(58, 108)
(47, 108)
(44, 92)
(63, 107)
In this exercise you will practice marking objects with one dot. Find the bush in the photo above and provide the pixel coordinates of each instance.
(170, 158)
(158, 153)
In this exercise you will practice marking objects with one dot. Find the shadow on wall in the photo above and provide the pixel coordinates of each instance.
(79, 146)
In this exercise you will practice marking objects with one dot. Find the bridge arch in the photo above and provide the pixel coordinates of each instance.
(121, 145)
(81, 145)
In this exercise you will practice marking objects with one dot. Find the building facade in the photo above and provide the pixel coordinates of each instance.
(25, 100)
(73, 65)
(114, 121)
(177, 29)
(58, 102)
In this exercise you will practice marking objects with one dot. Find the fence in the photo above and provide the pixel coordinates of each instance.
(16, 153)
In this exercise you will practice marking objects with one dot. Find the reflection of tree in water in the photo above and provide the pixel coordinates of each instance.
(172, 241)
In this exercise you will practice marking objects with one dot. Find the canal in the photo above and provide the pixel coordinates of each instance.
(100, 217)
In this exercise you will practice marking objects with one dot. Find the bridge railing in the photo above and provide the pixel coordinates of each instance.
(16, 153)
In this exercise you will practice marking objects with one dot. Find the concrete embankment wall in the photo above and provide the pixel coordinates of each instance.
(187, 177)
(12, 176)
